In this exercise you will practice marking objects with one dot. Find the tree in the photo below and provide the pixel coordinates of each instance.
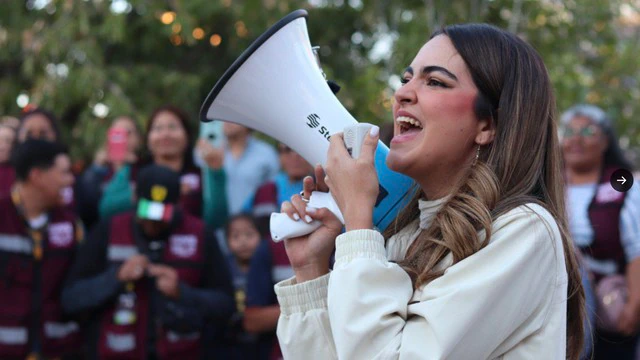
(90, 60)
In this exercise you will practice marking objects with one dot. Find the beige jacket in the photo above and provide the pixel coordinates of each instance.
(507, 301)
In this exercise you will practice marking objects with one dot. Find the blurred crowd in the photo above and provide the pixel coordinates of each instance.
(160, 248)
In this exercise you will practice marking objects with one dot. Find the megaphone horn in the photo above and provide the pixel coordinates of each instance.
(276, 87)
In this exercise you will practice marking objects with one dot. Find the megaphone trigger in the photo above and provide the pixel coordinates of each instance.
(282, 227)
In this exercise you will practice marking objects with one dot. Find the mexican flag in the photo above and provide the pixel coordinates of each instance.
(154, 210)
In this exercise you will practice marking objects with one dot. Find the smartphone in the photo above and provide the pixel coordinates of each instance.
(117, 145)
(213, 133)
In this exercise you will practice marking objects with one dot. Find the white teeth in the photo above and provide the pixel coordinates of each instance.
(409, 120)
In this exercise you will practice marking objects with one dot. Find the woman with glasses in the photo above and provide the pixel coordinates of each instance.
(604, 223)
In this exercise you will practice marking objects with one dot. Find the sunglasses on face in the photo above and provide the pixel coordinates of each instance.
(584, 132)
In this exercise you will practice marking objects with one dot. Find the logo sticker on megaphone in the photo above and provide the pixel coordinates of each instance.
(298, 109)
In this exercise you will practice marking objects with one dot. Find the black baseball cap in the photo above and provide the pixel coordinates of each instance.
(158, 192)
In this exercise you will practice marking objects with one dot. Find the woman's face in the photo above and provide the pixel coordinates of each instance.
(435, 127)
(583, 144)
(7, 136)
(244, 238)
(167, 137)
(133, 137)
(36, 126)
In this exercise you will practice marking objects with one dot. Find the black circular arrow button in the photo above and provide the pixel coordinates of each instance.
(622, 180)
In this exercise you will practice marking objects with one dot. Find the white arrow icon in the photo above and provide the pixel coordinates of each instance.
(622, 181)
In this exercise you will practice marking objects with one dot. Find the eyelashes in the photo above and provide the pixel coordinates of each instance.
(429, 81)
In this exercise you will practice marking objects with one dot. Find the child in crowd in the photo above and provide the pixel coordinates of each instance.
(243, 239)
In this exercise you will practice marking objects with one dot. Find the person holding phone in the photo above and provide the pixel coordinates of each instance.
(121, 148)
(169, 142)
(480, 263)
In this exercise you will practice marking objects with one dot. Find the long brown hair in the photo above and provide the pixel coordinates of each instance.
(522, 165)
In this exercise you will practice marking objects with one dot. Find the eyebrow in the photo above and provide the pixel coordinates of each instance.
(433, 68)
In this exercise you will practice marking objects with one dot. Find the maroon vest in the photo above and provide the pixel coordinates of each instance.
(604, 215)
(7, 178)
(22, 276)
(184, 252)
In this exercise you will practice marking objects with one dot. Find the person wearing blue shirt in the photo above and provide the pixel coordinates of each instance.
(248, 163)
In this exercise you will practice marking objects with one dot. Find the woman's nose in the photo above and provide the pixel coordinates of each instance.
(405, 94)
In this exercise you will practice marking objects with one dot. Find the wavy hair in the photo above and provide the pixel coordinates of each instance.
(522, 165)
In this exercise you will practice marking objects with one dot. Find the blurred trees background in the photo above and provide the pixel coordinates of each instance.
(91, 60)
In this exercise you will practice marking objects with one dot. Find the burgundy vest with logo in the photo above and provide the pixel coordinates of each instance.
(604, 215)
(184, 252)
(18, 274)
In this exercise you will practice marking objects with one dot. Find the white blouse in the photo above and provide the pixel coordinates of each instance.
(507, 301)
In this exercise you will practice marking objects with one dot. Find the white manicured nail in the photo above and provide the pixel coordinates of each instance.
(374, 131)
(296, 216)
(308, 218)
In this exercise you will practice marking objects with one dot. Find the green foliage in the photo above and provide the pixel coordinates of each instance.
(70, 55)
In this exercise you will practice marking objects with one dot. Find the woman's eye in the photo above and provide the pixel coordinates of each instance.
(434, 82)
(404, 80)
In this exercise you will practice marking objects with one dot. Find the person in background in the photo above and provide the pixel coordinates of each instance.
(7, 174)
(248, 162)
(270, 264)
(243, 238)
(92, 181)
(268, 197)
(38, 238)
(36, 124)
(604, 223)
(153, 278)
(10, 121)
(169, 142)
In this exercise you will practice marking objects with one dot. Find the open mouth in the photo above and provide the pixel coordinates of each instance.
(408, 124)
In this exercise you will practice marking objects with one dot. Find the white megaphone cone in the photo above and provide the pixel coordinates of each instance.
(277, 88)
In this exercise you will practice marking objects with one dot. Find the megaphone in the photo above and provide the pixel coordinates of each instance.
(276, 87)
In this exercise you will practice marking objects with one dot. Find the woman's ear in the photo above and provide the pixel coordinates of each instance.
(486, 131)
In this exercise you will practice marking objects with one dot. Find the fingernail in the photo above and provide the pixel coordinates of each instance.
(311, 210)
(308, 219)
(296, 216)
(375, 130)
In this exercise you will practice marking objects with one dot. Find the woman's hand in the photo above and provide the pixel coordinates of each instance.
(354, 182)
(309, 255)
(212, 156)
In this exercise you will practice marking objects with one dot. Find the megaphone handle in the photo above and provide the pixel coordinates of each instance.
(283, 227)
